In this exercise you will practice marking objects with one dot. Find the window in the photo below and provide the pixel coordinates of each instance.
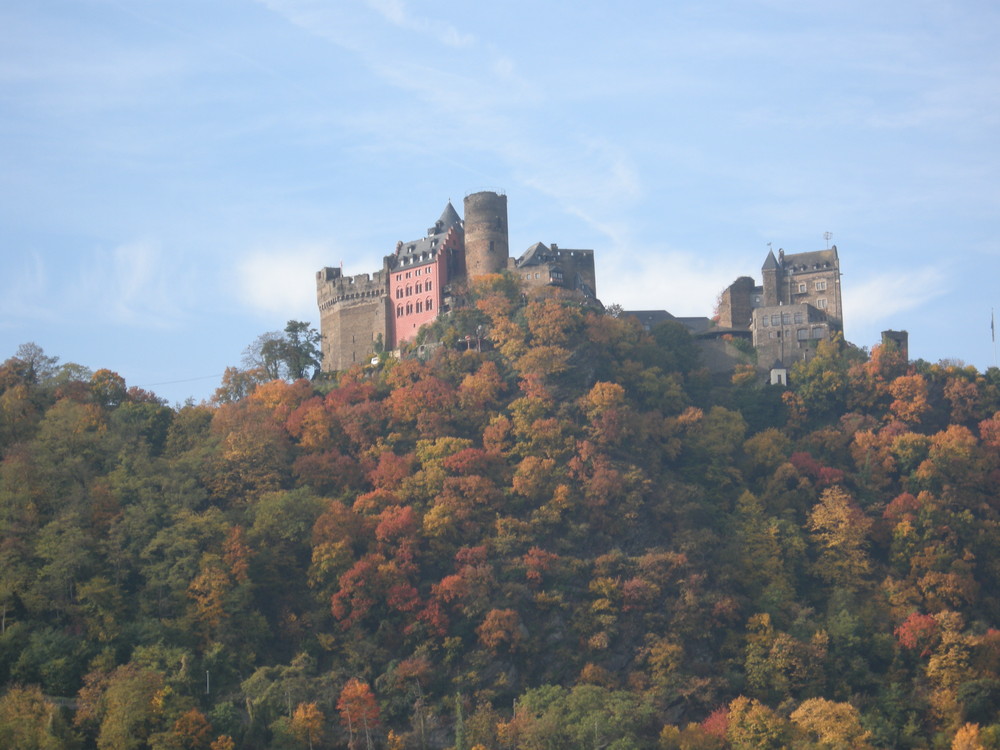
(802, 288)
(409, 309)
(399, 311)
(420, 306)
(427, 286)
(821, 285)
(408, 274)
(786, 319)
(399, 293)
(802, 334)
(419, 289)
(430, 304)
(776, 320)
(818, 332)
(409, 291)
(764, 320)
(799, 317)
(821, 303)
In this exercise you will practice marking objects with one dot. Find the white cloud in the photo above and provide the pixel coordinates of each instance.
(281, 282)
(886, 294)
(681, 283)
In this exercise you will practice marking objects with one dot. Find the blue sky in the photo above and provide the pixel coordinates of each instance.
(173, 172)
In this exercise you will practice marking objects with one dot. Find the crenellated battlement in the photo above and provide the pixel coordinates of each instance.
(333, 288)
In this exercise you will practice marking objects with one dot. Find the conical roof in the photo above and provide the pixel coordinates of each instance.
(771, 262)
(449, 218)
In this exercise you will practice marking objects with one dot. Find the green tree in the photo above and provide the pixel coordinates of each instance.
(290, 354)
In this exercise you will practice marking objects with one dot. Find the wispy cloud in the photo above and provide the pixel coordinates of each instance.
(395, 11)
(883, 295)
(25, 286)
(132, 284)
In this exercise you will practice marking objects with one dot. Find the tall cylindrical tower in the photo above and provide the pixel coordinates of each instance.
(486, 244)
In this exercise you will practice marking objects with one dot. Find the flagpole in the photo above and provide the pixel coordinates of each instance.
(993, 335)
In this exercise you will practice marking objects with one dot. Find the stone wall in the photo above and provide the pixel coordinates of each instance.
(352, 316)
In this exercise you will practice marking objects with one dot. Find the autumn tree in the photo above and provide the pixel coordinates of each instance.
(29, 721)
(839, 530)
(359, 711)
(752, 725)
(307, 723)
(831, 724)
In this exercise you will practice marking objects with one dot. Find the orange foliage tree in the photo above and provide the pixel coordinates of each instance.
(359, 711)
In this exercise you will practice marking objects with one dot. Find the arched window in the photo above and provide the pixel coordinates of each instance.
(399, 311)
(430, 304)
(420, 306)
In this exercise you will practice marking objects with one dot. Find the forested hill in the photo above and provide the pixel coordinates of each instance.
(574, 539)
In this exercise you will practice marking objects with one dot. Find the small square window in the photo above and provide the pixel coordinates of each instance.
(821, 303)
(821, 285)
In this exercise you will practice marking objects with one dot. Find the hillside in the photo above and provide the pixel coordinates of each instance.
(574, 538)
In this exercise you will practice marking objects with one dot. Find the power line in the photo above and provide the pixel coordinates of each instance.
(186, 380)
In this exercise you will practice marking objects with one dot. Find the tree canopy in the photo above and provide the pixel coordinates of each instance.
(572, 535)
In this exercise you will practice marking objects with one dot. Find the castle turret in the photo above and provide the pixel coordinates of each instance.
(770, 272)
(486, 242)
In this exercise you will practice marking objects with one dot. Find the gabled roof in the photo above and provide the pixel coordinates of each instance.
(534, 255)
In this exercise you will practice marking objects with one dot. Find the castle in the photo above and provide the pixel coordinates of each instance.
(361, 315)
(797, 305)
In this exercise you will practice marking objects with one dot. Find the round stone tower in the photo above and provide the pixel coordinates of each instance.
(486, 243)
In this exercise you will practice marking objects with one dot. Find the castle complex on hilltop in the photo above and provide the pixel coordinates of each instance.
(797, 305)
(362, 314)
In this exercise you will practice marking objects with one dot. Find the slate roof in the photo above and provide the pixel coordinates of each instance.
(449, 218)
(812, 261)
(534, 255)
(425, 249)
